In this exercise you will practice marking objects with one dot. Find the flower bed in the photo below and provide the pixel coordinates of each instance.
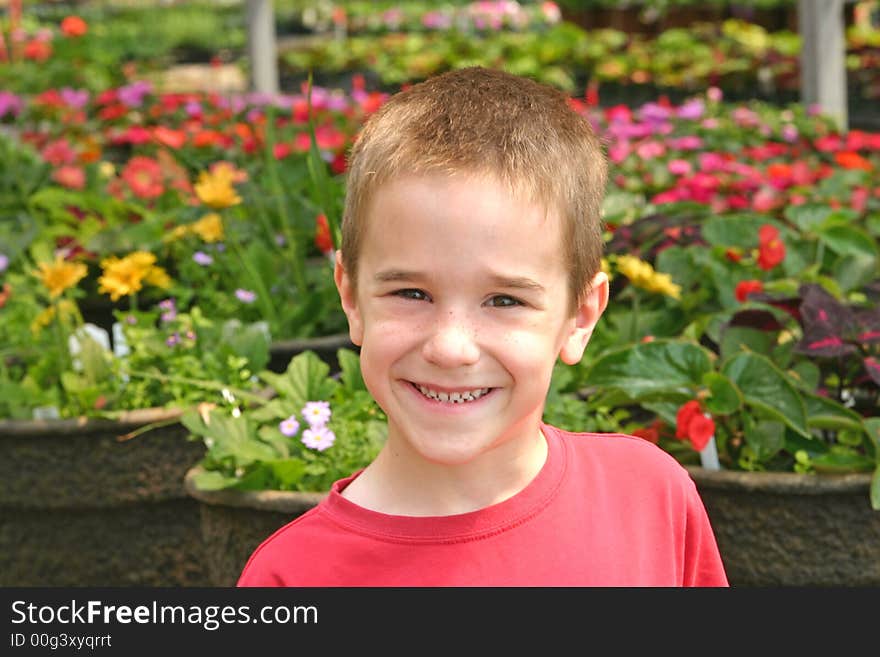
(742, 243)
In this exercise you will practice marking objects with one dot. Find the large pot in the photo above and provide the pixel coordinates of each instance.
(234, 523)
(789, 529)
(80, 506)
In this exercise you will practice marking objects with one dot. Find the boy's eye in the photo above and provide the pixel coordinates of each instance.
(503, 301)
(411, 293)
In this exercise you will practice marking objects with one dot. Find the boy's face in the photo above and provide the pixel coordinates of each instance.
(461, 310)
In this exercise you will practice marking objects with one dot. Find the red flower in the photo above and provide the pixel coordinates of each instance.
(651, 433)
(771, 249)
(323, 239)
(338, 164)
(70, 176)
(700, 430)
(692, 425)
(143, 176)
(39, 51)
(771, 254)
(169, 137)
(745, 288)
(733, 254)
(648, 433)
(852, 160)
(685, 414)
(74, 26)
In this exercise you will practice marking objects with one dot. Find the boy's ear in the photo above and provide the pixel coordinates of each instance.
(348, 297)
(588, 313)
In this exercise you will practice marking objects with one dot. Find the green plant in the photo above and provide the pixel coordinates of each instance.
(312, 429)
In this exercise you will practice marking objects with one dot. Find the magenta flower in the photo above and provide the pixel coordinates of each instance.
(10, 104)
(132, 95)
(289, 427)
(245, 296)
(691, 110)
(679, 167)
(74, 98)
(319, 438)
(316, 413)
(203, 259)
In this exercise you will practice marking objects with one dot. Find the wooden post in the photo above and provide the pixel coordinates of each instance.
(262, 48)
(823, 57)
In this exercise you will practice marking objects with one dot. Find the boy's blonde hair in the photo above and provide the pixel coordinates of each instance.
(486, 122)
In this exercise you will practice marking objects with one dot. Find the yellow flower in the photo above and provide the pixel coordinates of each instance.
(176, 234)
(61, 275)
(209, 227)
(125, 276)
(143, 259)
(121, 277)
(106, 169)
(642, 275)
(66, 310)
(158, 277)
(214, 188)
(42, 320)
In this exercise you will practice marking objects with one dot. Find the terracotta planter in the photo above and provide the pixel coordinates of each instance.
(79, 507)
(325, 346)
(788, 529)
(235, 522)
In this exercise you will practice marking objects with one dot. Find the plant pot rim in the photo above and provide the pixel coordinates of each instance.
(319, 342)
(85, 425)
(262, 500)
(781, 482)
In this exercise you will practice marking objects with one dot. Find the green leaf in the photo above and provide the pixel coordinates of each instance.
(875, 489)
(809, 216)
(743, 338)
(737, 229)
(846, 240)
(826, 413)
(213, 480)
(766, 438)
(854, 270)
(230, 437)
(767, 388)
(350, 370)
(725, 398)
(872, 426)
(841, 461)
(306, 379)
(662, 368)
(287, 472)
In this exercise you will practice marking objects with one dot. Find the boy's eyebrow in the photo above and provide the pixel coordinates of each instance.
(510, 282)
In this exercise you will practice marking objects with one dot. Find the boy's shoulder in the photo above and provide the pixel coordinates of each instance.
(619, 452)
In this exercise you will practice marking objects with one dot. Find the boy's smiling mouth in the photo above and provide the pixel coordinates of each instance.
(452, 397)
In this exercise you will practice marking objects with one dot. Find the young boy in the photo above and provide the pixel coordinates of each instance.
(470, 262)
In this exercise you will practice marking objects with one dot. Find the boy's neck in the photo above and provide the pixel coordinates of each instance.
(397, 484)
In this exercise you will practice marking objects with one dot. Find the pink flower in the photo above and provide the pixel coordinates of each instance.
(679, 167)
(619, 151)
(72, 177)
(58, 152)
(650, 149)
(710, 162)
(686, 143)
(319, 438)
(765, 200)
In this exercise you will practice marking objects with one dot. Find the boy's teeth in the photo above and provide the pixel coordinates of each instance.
(453, 397)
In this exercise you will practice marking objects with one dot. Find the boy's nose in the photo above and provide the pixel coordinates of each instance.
(451, 343)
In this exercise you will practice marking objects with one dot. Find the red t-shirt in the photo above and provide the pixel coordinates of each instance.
(604, 510)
